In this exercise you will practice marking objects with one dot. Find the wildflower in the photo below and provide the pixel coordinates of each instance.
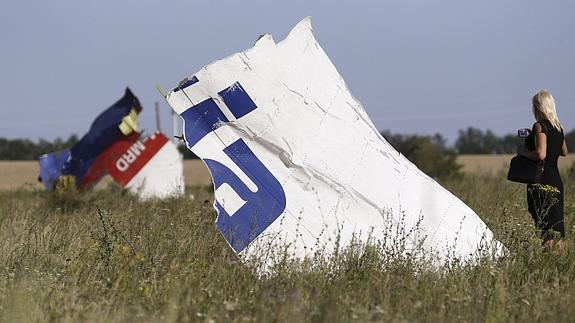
(139, 256)
(125, 249)
(545, 188)
(544, 196)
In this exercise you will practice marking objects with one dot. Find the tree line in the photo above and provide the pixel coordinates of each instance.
(430, 153)
(477, 141)
(26, 149)
(434, 157)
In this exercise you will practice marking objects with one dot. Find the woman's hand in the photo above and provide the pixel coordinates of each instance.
(540, 151)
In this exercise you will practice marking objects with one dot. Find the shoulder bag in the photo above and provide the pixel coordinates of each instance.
(525, 170)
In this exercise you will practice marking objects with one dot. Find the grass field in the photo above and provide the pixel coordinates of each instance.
(105, 257)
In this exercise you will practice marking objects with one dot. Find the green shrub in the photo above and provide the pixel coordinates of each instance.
(428, 153)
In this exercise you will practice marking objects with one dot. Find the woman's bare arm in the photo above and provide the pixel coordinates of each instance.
(540, 151)
(564, 151)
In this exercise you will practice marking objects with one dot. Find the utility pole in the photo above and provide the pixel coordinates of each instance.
(158, 127)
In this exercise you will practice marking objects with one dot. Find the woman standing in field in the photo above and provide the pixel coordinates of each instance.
(546, 142)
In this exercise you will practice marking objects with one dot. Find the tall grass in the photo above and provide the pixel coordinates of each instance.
(105, 257)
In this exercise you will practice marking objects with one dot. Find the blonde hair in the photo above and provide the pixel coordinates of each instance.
(544, 108)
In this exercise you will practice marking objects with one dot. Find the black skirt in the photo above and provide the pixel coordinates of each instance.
(552, 219)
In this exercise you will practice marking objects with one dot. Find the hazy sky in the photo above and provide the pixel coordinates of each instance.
(417, 66)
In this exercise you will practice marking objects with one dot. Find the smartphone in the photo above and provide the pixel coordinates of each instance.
(523, 132)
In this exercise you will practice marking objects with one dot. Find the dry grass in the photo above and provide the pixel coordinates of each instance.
(64, 260)
(494, 164)
(17, 174)
(24, 174)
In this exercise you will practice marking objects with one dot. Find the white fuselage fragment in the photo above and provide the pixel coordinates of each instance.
(296, 161)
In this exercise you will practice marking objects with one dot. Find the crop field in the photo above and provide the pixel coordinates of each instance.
(24, 174)
(19, 174)
(103, 256)
(499, 164)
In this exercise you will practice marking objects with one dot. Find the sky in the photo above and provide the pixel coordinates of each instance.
(417, 66)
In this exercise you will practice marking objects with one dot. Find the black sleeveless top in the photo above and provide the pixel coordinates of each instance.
(555, 140)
